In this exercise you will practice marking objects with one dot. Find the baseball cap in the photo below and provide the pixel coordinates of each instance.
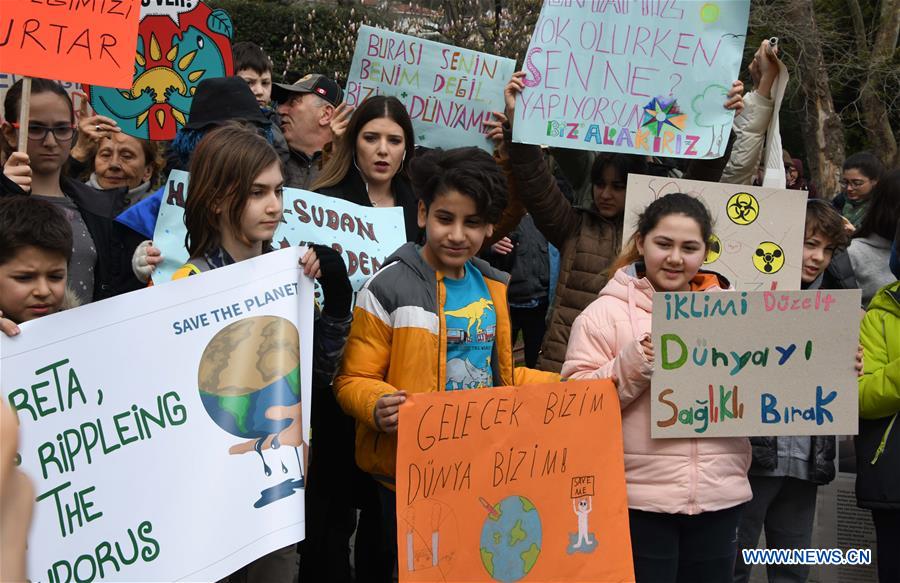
(313, 83)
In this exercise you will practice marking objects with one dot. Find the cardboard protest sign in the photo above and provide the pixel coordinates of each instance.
(7, 80)
(642, 77)
(84, 42)
(164, 430)
(755, 363)
(448, 91)
(757, 232)
(508, 483)
(179, 44)
(364, 236)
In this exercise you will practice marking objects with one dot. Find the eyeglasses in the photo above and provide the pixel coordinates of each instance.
(856, 183)
(38, 133)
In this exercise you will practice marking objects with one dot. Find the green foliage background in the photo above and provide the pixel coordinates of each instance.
(303, 37)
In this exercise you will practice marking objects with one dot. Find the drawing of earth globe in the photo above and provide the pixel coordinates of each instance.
(511, 539)
(247, 367)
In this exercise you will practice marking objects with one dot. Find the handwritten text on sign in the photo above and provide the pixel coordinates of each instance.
(364, 236)
(498, 484)
(754, 363)
(123, 457)
(638, 76)
(83, 42)
(448, 91)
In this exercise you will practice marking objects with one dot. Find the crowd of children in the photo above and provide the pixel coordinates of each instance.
(76, 218)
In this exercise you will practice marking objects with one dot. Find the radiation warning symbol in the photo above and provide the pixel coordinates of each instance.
(713, 250)
(743, 208)
(768, 257)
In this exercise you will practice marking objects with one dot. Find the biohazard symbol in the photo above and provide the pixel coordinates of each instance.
(768, 257)
(713, 250)
(743, 208)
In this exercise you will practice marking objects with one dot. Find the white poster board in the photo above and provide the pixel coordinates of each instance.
(757, 232)
(755, 363)
(168, 421)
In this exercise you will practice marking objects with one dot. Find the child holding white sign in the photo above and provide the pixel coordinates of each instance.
(684, 495)
(233, 207)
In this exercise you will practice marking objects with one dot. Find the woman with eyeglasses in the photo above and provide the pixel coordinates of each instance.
(860, 174)
(100, 265)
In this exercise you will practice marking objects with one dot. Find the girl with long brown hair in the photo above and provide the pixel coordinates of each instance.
(233, 208)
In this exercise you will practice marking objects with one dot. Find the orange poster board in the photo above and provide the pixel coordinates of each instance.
(84, 42)
(513, 483)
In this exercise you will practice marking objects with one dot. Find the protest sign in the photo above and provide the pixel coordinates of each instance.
(364, 236)
(758, 232)
(644, 77)
(162, 429)
(448, 91)
(179, 44)
(755, 363)
(84, 42)
(7, 80)
(513, 482)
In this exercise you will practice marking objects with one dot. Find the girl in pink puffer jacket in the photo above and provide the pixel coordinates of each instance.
(684, 495)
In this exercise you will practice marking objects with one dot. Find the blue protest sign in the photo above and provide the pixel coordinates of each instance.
(448, 91)
(364, 236)
(642, 77)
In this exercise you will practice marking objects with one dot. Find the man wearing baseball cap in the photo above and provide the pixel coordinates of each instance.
(306, 108)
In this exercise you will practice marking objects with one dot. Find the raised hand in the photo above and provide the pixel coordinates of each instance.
(511, 91)
(18, 170)
(340, 119)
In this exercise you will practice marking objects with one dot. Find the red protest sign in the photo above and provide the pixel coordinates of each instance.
(88, 42)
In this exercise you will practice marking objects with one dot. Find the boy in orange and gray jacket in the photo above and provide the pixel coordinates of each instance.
(435, 317)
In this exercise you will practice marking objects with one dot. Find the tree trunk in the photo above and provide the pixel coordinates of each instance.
(875, 116)
(823, 133)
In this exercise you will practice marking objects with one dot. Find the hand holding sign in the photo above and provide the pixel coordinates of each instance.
(647, 347)
(18, 170)
(735, 97)
(764, 67)
(387, 411)
(511, 93)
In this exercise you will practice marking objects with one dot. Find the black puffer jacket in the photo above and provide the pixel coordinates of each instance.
(821, 462)
(98, 208)
(528, 265)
